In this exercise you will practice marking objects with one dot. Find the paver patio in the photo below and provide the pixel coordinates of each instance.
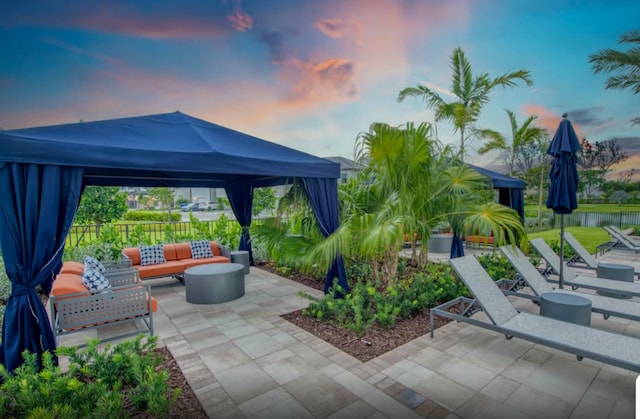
(244, 361)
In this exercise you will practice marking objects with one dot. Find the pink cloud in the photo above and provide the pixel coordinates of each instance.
(548, 119)
(240, 21)
(129, 19)
(333, 28)
(320, 81)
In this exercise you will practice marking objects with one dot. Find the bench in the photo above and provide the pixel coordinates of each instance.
(477, 240)
(177, 257)
(74, 308)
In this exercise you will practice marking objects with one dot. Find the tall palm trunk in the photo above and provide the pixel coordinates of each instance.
(540, 195)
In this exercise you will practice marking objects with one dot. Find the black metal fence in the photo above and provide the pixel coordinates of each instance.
(156, 231)
(597, 219)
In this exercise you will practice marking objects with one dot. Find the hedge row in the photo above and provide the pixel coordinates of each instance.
(151, 216)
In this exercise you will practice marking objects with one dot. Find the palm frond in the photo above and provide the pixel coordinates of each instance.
(509, 79)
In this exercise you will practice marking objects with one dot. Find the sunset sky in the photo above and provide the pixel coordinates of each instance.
(309, 74)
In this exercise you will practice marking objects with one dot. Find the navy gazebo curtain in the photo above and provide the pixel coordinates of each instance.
(323, 195)
(240, 194)
(36, 211)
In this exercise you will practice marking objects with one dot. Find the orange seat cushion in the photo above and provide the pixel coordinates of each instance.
(67, 284)
(71, 267)
(188, 263)
(162, 269)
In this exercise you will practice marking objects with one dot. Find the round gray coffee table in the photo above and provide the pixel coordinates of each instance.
(616, 272)
(214, 283)
(566, 307)
(242, 257)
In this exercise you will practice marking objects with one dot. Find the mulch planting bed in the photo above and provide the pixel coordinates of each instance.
(374, 342)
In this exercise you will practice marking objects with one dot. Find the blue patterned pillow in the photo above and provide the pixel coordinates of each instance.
(92, 263)
(94, 280)
(200, 249)
(151, 255)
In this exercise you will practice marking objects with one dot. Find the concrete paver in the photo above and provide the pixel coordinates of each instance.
(243, 360)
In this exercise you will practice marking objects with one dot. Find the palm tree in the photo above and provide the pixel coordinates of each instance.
(470, 93)
(626, 63)
(521, 136)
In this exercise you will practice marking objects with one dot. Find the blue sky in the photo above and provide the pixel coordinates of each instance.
(309, 74)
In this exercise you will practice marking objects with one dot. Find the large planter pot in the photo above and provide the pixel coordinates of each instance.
(440, 243)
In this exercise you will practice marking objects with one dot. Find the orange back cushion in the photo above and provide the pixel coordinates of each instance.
(183, 250)
(132, 253)
(169, 252)
(215, 249)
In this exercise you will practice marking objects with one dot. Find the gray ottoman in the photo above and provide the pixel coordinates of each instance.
(440, 243)
(241, 257)
(566, 307)
(214, 283)
(616, 272)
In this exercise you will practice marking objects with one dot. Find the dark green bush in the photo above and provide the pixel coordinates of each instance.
(150, 216)
(366, 304)
(497, 266)
(97, 385)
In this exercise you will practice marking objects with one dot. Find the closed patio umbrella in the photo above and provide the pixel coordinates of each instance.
(564, 178)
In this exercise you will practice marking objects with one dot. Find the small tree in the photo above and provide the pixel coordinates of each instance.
(100, 205)
(595, 160)
(165, 197)
(264, 199)
(620, 197)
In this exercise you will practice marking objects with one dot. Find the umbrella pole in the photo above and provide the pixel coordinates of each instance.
(561, 276)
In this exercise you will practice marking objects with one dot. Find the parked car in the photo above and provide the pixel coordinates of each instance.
(210, 206)
(194, 206)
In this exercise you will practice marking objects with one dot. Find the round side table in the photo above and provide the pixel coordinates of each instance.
(241, 257)
(617, 272)
(566, 307)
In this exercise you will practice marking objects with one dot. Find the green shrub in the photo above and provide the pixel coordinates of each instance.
(139, 237)
(366, 304)
(150, 216)
(97, 385)
(101, 251)
(497, 266)
(227, 233)
(568, 251)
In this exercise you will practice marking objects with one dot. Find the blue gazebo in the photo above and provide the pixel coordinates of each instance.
(43, 171)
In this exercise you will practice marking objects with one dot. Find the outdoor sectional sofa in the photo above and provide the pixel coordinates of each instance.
(177, 258)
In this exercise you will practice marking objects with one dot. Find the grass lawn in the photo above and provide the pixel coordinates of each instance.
(533, 208)
(589, 237)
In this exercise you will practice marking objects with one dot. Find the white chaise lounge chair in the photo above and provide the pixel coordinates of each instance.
(623, 241)
(608, 347)
(575, 281)
(599, 304)
(582, 255)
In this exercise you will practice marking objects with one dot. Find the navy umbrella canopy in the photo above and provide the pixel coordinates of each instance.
(564, 177)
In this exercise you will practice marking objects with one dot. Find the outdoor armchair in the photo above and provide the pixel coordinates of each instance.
(608, 347)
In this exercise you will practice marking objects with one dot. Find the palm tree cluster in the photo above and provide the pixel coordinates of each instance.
(410, 184)
(470, 93)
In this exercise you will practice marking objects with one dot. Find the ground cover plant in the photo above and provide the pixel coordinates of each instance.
(126, 380)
